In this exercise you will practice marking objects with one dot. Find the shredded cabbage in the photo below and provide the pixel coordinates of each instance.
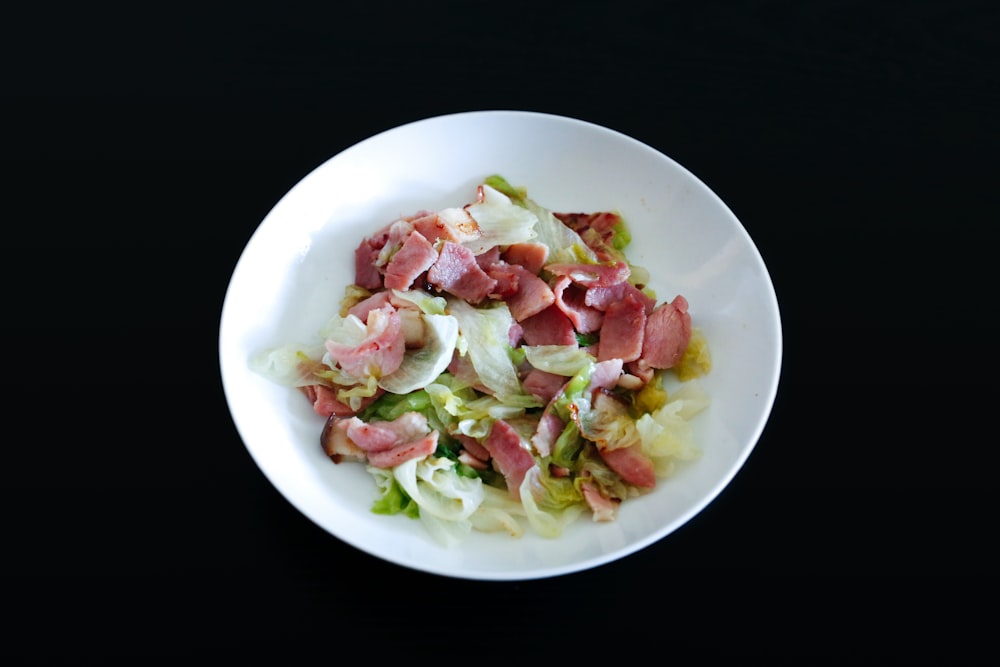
(486, 332)
(422, 366)
(565, 360)
(501, 222)
(291, 365)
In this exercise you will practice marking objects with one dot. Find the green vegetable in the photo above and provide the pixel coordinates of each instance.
(395, 501)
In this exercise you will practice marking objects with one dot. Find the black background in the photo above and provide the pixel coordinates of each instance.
(143, 144)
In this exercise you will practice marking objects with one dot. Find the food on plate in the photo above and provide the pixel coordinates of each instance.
(496, 365)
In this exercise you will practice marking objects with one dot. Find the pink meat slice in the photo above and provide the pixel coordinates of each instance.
(550, 427)
(473, 446)
(390, 458)
(415, 256)
(383, 346)
(506, 277)
(667, 334)
(543, 384)
(631, 464)
(389, 443)
(325, 402)
(623, 331)
(455, 271)
(599, 275)
(549, 327)
(533, 294)
(366, 274)
(361, 309)
(601, 297)
(512, 459)
(605, 374)
(431, 226)
(531, 256)
(571, 300)
(377, 436)
(601, 507)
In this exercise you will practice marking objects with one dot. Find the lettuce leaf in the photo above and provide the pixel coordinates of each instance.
(486, 333)
(501, 221)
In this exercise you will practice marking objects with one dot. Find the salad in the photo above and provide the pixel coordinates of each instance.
(497, 366)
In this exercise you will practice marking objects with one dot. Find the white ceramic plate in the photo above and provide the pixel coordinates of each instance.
(290, 280)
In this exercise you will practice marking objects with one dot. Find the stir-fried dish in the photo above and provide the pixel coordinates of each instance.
(497, 365)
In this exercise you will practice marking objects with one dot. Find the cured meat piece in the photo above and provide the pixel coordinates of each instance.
(533, 294)
(543, 384)
(623, 331)
(631, 465)
(473, 446)
(382, 348)
(531, 256)
(390, 458)
(415, 256)
(385, 444)
(667, 334)
(549, 428)
(455, 271)
(601, 507)
(325, 403)
(366, 274)
(376, 436)
(601, 297)
(549, 327)
(605, 374)
(600, 275)
(571, 300)
(513, 460)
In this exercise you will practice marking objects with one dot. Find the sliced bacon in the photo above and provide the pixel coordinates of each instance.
(366, 274)
(361, 309)
(549, 428)
(549, 327)
(667, 334)
(415, 256)
(455, 271)
(601, 297)
(602, 507)
(507, 279)
(512, 458)
(385, 444)
(473, 446)
(382, 348)
(602, 221)
(515, 334)
(451, 224)
(379, 435)
(623, 331)
(471, 461)
(642, 373)
(631, 464)
(325, 403)
(531, 256)
(570, 299)
(533, 294)
(542, 384)
(605, 374)
(487, 259)
(599, 275)
(335, 443)
(391, 458)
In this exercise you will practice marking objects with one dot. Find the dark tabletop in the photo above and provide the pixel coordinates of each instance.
(856, 141)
